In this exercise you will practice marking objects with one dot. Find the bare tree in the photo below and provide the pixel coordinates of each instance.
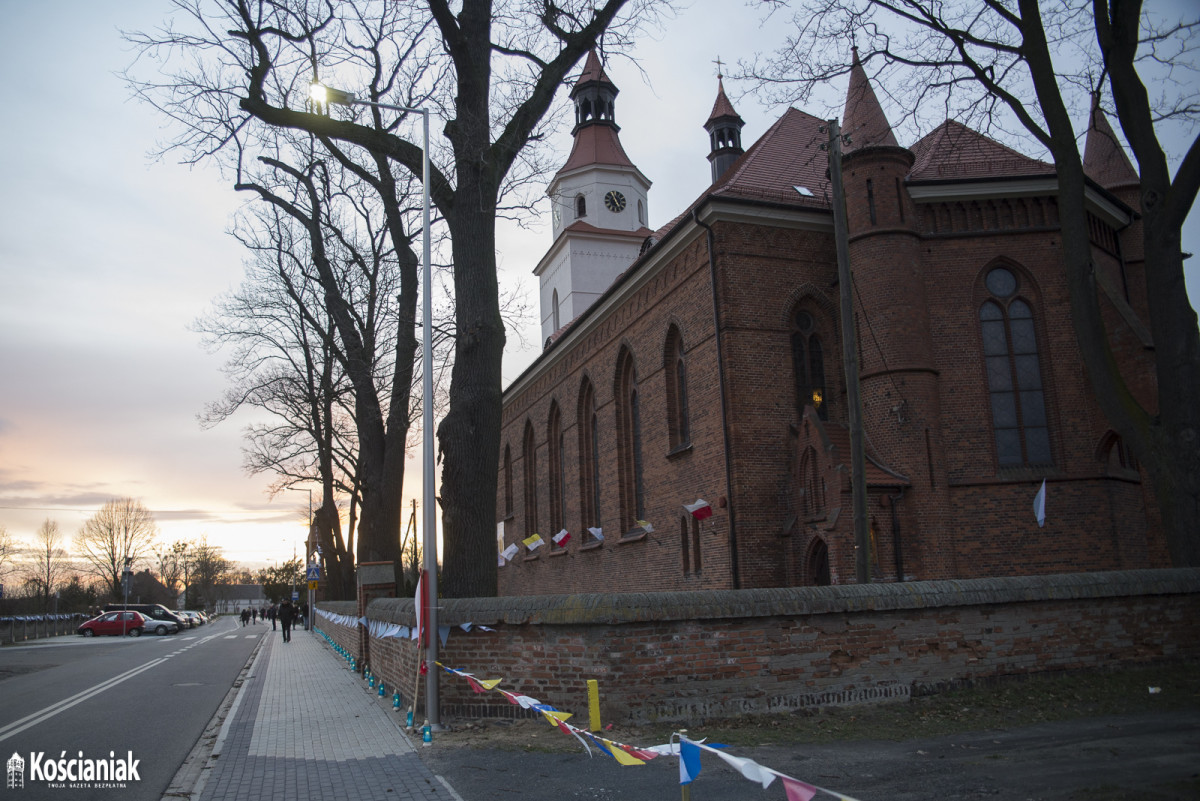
(208, 569)
(117, 536)
(172, 565)
(50, 562)
(8, 550)
(999, 63)
(491, 71)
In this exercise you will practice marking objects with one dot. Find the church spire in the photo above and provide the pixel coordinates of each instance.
(863, 119)
(724, 128)
(1104, 160)
(594, 95)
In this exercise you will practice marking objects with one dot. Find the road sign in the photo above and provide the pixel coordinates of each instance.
(295, 595)
(312, 585)
(314, 573)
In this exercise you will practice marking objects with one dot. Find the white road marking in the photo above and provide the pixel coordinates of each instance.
(18, 726)
(42, 715)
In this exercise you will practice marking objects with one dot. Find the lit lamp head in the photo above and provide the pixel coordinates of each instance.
(322, 97)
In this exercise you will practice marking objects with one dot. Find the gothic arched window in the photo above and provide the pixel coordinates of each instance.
(629, 443)
(554, 445)
(589, 460)
(675, 369)
(508, 482)
(554, 310)
(580, 206)
(529, 457)
(808, 365)
(1014, 374)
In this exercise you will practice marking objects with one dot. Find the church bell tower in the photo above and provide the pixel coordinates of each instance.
(599, 205)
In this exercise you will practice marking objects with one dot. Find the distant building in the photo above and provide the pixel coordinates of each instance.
(703, 361)
(233, 598)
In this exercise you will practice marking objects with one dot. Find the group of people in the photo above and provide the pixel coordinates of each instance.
(284, 613)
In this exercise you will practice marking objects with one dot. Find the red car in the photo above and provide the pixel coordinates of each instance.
(118, 623)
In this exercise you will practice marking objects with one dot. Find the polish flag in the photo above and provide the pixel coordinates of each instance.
(562, 538)
(700, 509)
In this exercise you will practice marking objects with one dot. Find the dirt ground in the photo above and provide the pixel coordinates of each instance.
(1097, 736)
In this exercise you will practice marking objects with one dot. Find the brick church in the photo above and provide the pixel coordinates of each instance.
(702, 362)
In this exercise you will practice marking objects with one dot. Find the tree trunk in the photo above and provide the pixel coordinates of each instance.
(469, 435)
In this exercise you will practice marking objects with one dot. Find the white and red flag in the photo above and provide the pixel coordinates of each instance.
(700, 509)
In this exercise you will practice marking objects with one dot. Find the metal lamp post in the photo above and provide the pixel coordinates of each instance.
(325, 96)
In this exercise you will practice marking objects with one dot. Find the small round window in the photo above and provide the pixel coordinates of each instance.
(804, 322)
(1001, 282)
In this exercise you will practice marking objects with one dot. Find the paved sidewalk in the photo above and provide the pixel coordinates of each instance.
(304, 727)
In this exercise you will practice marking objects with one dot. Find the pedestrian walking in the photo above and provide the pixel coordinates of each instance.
(273, 614)
(287, 614)
(254, 614)
(245, 616)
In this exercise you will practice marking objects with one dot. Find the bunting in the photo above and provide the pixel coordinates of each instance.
(687, 750)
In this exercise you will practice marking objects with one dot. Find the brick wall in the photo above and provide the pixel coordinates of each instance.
(682, 656)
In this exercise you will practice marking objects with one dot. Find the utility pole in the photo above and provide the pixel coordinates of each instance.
(858, 465)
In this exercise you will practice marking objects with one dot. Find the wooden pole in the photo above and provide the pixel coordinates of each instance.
(858, 469)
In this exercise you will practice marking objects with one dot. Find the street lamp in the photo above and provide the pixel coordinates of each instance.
(325, 96)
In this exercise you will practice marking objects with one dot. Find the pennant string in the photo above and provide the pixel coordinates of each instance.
(624, 754)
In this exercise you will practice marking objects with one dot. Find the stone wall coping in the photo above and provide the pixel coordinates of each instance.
(638, 607)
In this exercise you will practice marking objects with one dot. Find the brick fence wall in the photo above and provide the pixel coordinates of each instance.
(682, 656)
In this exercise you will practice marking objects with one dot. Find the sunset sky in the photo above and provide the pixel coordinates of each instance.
(107, 257)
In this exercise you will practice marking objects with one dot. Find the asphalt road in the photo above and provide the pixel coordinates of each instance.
(150, 697)
(1099, 759)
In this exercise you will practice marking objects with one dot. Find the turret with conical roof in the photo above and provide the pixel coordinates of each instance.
(724, 128)
(898, 375)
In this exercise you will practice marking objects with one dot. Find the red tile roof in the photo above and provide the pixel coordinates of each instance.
(1104, 159)
(786, 156)
(597, 143)
(592, 70)
(579, 226)
(863, 120)
(722, 107)
(954, 151)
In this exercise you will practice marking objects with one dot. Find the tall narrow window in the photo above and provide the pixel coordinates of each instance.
(589, 461)
(629, 443)
(808, 366)
(675, 369)
(508, 482)
(685, 543)
(1014, 374)
(554, 310)
(554, 447)
(695, 545)
(529, 457)
(580, 206)
(818, 563)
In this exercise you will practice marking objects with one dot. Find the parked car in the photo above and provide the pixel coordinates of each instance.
(195, 618)
(115, 623)
(165, 621)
